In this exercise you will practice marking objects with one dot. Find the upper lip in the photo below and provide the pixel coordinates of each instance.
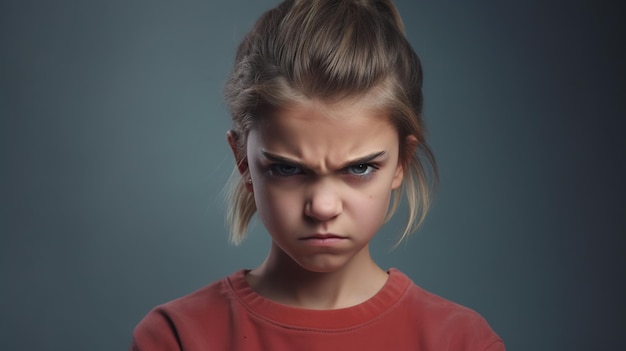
(323, 236)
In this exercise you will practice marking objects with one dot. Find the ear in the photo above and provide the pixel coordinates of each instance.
(241, 160)
(406, 152)
(398, 175)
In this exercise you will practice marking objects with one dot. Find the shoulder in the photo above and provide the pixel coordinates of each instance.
(195, 304)
(440, 319)
(165, 325)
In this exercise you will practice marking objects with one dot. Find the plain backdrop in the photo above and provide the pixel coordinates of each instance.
(113, 163)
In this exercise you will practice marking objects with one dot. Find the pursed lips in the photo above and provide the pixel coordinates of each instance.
(324, 240)
(323, 236)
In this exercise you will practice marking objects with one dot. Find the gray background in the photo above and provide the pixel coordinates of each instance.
(114, 159)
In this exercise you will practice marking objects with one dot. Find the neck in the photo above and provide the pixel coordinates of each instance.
(281, 279)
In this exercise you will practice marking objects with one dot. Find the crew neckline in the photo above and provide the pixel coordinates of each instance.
(335, 319)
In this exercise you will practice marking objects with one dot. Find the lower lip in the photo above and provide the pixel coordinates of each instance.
(324, 241)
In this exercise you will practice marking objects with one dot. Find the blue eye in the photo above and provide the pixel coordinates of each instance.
(361, 170)
(284, 170)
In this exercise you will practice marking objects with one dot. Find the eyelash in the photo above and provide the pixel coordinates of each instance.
(283, 170)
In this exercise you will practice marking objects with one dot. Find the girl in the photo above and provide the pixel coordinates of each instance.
(326, 103)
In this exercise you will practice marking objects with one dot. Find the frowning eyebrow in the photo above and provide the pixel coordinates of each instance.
(282, 159)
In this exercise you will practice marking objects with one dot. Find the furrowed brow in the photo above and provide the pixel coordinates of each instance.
(280, 159)
(364, 159)
(357, 161)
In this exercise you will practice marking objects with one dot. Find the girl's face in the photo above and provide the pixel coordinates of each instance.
(322, 178)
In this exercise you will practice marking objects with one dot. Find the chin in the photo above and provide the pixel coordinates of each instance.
(323, 264)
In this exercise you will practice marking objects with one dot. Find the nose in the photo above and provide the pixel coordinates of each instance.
(323, 203)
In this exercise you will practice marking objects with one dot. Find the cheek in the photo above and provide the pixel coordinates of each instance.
(374, 207)
(277, 208)
(370, 210)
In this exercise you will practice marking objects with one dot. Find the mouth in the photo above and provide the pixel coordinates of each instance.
(323, 239)
(323, 236)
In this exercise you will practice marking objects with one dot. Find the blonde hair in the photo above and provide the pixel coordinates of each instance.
(330, 50)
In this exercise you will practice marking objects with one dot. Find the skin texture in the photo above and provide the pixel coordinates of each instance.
(321, 170)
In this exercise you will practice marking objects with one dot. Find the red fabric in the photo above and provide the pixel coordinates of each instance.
(229, 315)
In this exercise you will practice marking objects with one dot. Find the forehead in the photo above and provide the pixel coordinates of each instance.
(314, 131)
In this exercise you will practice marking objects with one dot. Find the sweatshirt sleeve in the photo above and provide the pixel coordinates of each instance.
(155, 332)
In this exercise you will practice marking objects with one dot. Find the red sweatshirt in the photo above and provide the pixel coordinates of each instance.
(229, 315)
